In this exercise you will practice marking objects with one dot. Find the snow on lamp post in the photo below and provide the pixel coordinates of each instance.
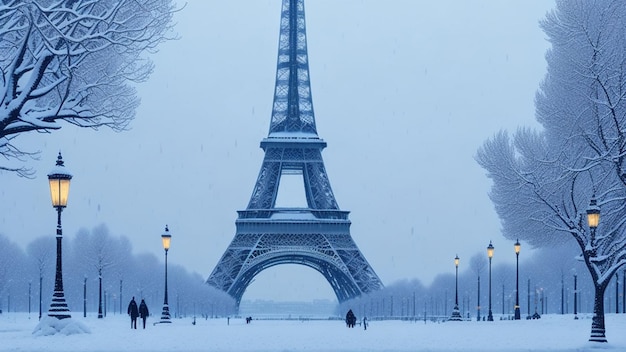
(456, 315)
(490, 255)
(166, 238)
(517, 247)
(59, 180)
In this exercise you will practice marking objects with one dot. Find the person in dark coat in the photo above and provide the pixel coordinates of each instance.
(133, 312)
(350, 319)
(143, 312)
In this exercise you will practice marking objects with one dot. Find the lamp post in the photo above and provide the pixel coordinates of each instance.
(166, 238)
(616, 293)
(593, 220)
(85, 297)
(517, 247)
(29, 296)
(536, 314)
(120, 296)
(40, 282)
(59, 180)
(456, 315)
(528, 316)
(490, 255)
(562, 295)
(100, 316)
(575, 297)
(478, 301)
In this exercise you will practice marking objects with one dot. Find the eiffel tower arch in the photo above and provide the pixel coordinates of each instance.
(318, 235)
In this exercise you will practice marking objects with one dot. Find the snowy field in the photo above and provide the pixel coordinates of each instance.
(113, 333)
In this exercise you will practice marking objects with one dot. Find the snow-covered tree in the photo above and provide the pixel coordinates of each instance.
(13, 270)
(543, 181)
(42, 254)
(147, 276)
(99, 251)
(477, 263)
(73, 61)
(82, 258)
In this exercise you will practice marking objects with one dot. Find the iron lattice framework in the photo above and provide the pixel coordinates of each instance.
(317, 236)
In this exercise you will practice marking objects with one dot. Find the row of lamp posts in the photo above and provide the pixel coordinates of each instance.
(593, 219)
(456, 316)
(490, 249)
(59, 179)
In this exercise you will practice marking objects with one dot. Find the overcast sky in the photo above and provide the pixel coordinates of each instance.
(404, 91)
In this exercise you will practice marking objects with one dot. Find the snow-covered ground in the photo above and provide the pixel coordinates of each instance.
(113, 333)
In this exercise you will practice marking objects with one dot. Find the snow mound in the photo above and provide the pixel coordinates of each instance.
(52, 326)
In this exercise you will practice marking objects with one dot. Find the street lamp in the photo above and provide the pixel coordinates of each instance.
(536, 315)
(616, 293)
(490, 255)
(29, 296)
(59, 180)
(120, 296)
(528, 316)
(517, 249)
(456, 315)
(593, 219)
(478, 300)
(593, 215)
(40, 299)
(575, 297)
(166, 238)
(100, 315)
(85, 296)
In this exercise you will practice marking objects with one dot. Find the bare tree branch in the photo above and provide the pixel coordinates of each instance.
(73, 61)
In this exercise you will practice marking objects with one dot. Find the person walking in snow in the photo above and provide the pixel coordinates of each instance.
(133, 312)
(143, 312)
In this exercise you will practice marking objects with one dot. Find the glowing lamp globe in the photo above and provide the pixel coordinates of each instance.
(593, 214)
(59, 179)
(166, 238)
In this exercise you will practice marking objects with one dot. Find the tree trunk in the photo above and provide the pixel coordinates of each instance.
(597, 324)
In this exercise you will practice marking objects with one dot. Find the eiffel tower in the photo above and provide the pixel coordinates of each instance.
(317, 236)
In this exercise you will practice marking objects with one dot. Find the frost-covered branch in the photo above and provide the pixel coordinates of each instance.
(73, 61)
(543, 181)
